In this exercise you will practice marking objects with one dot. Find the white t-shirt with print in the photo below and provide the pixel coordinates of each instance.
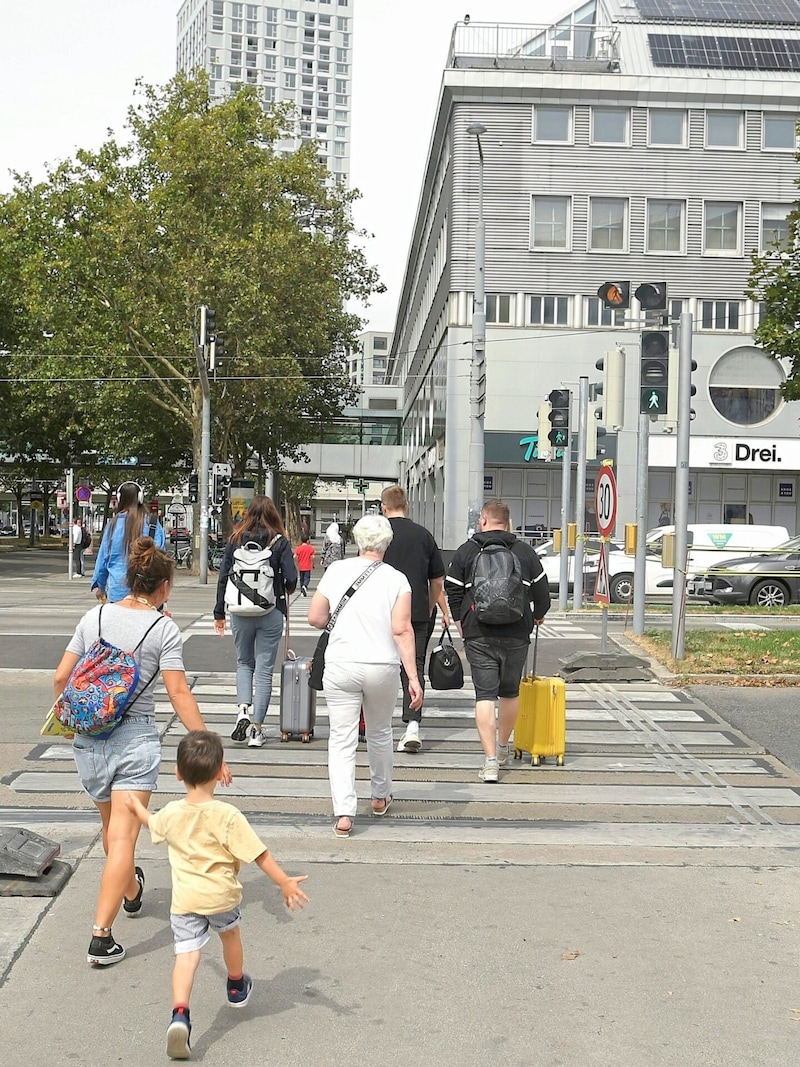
(363, 629)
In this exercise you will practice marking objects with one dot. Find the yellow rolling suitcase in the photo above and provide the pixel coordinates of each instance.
(541, 725)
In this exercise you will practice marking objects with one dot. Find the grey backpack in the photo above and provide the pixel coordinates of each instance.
(498, 591)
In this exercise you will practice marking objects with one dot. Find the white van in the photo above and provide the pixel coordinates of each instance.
(707, 544)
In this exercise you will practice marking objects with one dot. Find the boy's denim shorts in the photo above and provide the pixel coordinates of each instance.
(128, 759)
(191, 931)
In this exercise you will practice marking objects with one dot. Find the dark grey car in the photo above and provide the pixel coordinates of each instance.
(767, 579)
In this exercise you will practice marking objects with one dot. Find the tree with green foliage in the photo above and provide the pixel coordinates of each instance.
(775, 283)
(110, 256)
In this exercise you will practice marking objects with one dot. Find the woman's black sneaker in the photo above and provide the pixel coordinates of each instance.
(104, 951)
(133, 907)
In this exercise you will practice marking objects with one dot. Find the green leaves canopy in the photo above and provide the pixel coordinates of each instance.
(106, 261)
(775, 282)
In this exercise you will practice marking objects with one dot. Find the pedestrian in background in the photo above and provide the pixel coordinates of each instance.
(414, 552)
(370, 638)
(496, 653)
(304, 556)
(332, 546)
(130, 521)
(208, 841)
(128, 758)
(256, 637)
(77, 548)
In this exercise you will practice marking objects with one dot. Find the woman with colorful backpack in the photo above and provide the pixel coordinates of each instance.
(110, 665)
(130, 521)
(257, 573)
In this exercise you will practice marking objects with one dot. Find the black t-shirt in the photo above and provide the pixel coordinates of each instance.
(415, 554)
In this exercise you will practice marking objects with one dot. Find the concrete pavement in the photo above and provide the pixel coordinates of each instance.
(456, 931)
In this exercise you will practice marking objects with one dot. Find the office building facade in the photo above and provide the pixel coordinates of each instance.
(298, 51)
(640, 140)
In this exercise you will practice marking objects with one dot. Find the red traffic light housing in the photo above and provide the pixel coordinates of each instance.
(652, 296)
(615, 294)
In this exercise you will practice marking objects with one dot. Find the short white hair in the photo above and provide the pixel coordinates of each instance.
(373, 533)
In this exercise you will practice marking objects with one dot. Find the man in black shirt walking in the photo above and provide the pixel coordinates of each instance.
(414, 552)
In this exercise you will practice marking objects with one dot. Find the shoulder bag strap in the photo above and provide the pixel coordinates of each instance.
(349, 592)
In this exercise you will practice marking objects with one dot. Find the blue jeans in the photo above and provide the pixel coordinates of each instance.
(256, 638)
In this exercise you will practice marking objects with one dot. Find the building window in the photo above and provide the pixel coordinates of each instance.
(609, 125)
(289, 81)
(676, 309)
(780, 132)
(379, 344)
(745, 386)
(552, 125)
(775, 227)
(719, 314)
(665, 225)
(548, 310)
(290, 15)
(550, 222)
(608, 224)
(379, 362)
(723, 129)
(598, 315)
(722, 228)
(498, 309)
(667, 127)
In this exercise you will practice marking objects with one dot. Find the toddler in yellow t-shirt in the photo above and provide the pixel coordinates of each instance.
(208, 840)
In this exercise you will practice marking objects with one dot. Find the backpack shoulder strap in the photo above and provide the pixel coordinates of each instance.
(152, 529)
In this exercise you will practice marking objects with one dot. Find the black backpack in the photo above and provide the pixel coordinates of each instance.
(498, 591)
(86, 538)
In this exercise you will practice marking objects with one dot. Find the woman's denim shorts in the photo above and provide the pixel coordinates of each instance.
(128, 759)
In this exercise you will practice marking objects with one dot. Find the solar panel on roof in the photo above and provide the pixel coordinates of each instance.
(771, 12)
(723, 53)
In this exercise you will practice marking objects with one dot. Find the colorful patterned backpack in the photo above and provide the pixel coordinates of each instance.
(99, 689)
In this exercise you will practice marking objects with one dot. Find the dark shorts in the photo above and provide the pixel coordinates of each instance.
(496, 666)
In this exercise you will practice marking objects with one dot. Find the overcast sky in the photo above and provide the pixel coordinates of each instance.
(70, 71)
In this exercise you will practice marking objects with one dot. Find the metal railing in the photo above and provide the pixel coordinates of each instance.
(509, 45)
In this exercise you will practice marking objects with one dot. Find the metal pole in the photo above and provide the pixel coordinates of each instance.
(71, 499)
(478, 369)
(580, 492)
(563, 572)
(205, 463)
(639, 580)
(682, 485)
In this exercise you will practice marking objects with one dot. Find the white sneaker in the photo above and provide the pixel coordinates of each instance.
(490, 771)
(257, 737)
(410, 741)
(242, 726)
(502, 755)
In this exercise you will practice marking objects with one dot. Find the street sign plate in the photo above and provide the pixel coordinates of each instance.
(83, 494)
(605, 501)
(602, 593)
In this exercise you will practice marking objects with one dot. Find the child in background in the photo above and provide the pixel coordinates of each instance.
(304, 556)
(208, 840)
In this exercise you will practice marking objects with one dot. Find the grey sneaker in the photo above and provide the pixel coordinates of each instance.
(257, 737)
(502, 755)
(490, 771)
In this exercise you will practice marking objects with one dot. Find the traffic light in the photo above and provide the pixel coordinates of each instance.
(615, 294)
(672, 397)
(560, 401)
(216, 351)
(208, 324)
(652, 296)
(194, 488)
(220, 483)
(543, 432)
(612, 364)
(654, 372)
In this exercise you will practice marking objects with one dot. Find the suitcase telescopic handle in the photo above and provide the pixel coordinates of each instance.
(287, 652)
(535, 648)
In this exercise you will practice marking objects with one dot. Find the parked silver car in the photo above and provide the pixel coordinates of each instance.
(768, 580)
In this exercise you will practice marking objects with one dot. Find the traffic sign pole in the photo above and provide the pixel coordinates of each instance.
(605, 506)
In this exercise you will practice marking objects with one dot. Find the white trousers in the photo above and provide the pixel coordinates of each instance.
(348, 687)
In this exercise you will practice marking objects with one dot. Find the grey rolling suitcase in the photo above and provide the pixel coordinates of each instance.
(298, 700)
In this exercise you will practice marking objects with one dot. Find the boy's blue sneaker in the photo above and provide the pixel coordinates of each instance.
(178, 1035)
(239, 992)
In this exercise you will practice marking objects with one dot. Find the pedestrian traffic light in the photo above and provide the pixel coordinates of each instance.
(671, 423)
(194, 488)
(612, 364)
(208, 325)
(219, 473)
(560, 401)
(615, 294)
(654, 372)
(652, 296)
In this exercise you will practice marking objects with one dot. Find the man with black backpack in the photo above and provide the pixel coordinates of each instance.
(497, 592)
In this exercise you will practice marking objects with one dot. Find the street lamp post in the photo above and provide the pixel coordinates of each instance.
(477, 394)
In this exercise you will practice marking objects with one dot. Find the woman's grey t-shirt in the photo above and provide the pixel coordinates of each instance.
(162, 649)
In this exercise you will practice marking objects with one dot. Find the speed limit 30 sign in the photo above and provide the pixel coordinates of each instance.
(605, 501)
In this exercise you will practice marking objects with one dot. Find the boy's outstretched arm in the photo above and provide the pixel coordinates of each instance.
(293, 895)
(137, 808)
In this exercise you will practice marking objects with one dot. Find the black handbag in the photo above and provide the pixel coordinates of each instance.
(318, 659)
(445, 669)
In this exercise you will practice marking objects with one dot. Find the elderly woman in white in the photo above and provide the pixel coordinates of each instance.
(371, 636)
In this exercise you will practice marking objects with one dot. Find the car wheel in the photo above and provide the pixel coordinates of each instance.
(769, 593)
(621, 589)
